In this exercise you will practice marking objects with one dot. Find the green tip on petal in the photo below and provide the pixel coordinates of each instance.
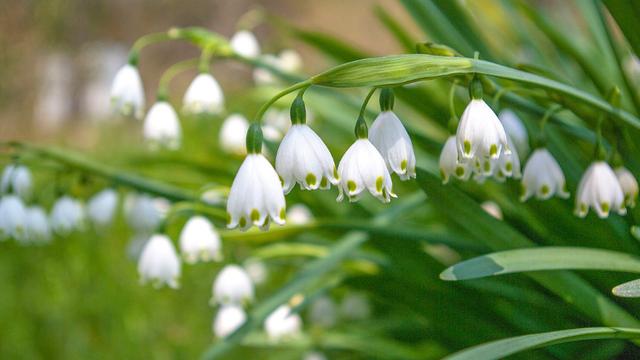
(311, 179)
(544, 190)
(379, 181)
(255, 215)
(467, 146)
(351, 185)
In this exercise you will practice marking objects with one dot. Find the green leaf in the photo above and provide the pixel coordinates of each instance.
(537, 259)
(628, 289)
(403, 37)
(503, 348)
(338, 50)
(627, 15)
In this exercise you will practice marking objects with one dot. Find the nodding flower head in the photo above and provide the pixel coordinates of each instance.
(542, 177)
(599, 189)
(283, 323)
(203, 95)
(159, 262)
(13, 218)
(449, 163)
(232, 134)
(199, 241)
(16, 179)
(629, 185)
(228, 319)
(391, 139)
(480, 134)
(37, 224)
(515, 129)
(67, 216)
(127, 92)
(101, 208)
(232, 286)
(244, 43)
(162, 126)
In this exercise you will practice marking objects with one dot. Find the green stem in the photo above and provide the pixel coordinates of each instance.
(363, 108)
(145, 40)
(301, 85)
(205, 59)
(171, 72)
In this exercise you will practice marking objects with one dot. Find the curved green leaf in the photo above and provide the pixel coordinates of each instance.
(628, 289)
(502, 348)
(537, 259)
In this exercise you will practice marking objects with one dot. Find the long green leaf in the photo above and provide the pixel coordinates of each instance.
(627, 15)
(502, 348)
(537, 259)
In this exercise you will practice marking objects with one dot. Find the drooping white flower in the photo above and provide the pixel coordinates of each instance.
(299, 214)
(323, 312)
(143, 212)
(515, 130)
(629, 185)
(362, 167)
(480, 133)
(492, 209)
(303, 158)
(543, 177)
(233, 133)
(199, 241)
(37, 225)
(449, 164)
(508, 164)
(244, 43)
(162, 126)
(13, 217)
(232, 286)
(229, 318)
(257, 270)
(127, 92)
(67, 215)
(203, 95)
(16, 179)
(290, 60)
(159, 262)
(101, 208)
(282, 323)
(391, 139)
(599, 188)
(355, 306)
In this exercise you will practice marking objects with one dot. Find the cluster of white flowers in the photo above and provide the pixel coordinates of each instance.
(232, 290)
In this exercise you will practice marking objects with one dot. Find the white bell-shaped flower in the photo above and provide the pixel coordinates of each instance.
(276, 123)
(515, 129)
(233, 134)
(244, 43)
(101, 208)
(508, 164)
(228, 319)
(542, 177)
(232, 286)
(159, 262)
(362, 167)
(449, 164)
(256, 196)
(599, 188)
(288, 61)
(323, 312)
(257, 270)
(127, 92)
(13, 218)
(299, 214)
(480, 133)
(162, 126)
(67, 216)
(37, 225)
(203, 95)
(143, 212)
(282, 323)
(629, 185)
(199, 241)
(16, 179)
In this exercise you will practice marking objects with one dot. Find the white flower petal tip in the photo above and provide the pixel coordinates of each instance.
(67, 215)
(304, 159)
(449, 164)
(256, 196)
(282, 323)
(516, 131)
(16, 179)
(362, 167)
(391, 139)
(101, 208)
(492, 209)
(629, 185)
(13, 218)
(162, 127)
(232, 134)
(232, 286)
(480, 133)
(159, 263)
(600, 189)
(199, 241)
(203, 96)
(228, 319)
(542, 177)
(127, 92)
(244, 43)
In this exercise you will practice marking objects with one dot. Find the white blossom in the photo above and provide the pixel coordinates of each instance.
(508, 164)
(162, 126)
(203, 95)
(256, 270)
(159, 262)
(16, 179)
(37, 225)
(323, 312)
(391, 139)
(232, 286)
(143, 212)
(228, 319)
(127, 92)
(629, 185)
(67, 215)
(101, 208)
(299, 214)
(362, 167)
(244, 43)
(199, 240)
(515, 130)
(13, 217)
(543, 177)
(288, 61)
(282, 323)
(480, 134)
(599, 188)
(449, 163)
(232, 134)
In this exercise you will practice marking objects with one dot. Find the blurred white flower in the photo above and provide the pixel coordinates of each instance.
(143, 212)
(492, 209)
(282, 323)
(314, 355)
(299, 214)
(449, 164)
(159, 262)
(391, 139)
(288, 61)
(276, 123)
(13, 217)
(323, 312)
(515, 129)
(244, 43)
(213, 196)
(37, 225)
(199, 241)
(256, 270)
(16, 179)
(67, 216)
(203, 95)
(232, 286)
(162, 126)
(228, 319)
(101, 208)
(599, 188)
(480, 134)
(127, 92)
(362, 167)
(355, 306)
(543, 177)
(233, 134)
(629, 185)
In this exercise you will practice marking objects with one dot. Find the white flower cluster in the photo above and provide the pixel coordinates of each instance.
(232, 290)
